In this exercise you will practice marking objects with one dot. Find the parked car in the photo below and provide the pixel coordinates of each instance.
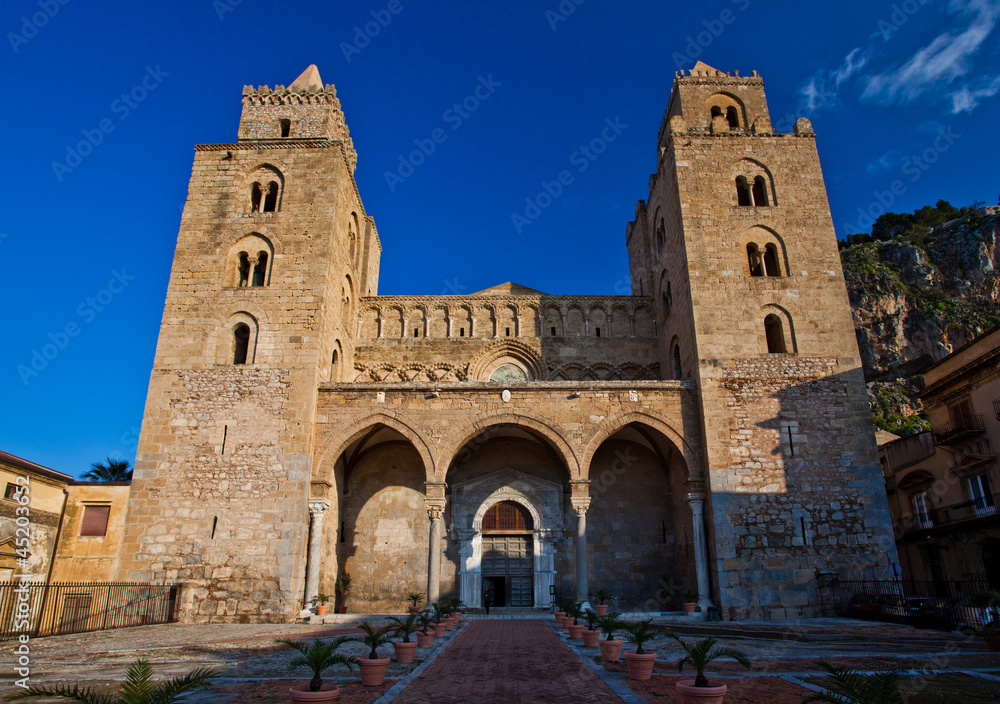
(931, 612)
(882, 607)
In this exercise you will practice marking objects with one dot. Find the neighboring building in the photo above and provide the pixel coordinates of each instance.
(942, 483)
(711, 432)
(79, 522)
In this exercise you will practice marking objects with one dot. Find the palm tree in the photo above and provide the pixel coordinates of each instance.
(704, 652)
(138, 688)
(111, 470)
(374, 637)
(610, 623)
(318, 657)
(852, 687)
(640, 633)
(405, 626)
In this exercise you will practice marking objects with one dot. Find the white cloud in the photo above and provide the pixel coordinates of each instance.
(823, 86)
(942, 62)
(966, 98)
(883, 163)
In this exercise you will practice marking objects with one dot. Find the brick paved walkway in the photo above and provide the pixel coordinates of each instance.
(508, 662)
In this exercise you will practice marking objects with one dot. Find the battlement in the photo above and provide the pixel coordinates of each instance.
(307, 109)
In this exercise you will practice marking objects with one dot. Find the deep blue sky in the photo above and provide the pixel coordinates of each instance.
(879, 84)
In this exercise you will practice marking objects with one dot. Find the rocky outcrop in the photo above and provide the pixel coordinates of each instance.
(918, 298)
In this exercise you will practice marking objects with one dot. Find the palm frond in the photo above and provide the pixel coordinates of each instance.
(74, 694)
(854, 687)
(138, 683)
(173, 689)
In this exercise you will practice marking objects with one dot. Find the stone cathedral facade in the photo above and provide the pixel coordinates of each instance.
(710, 432)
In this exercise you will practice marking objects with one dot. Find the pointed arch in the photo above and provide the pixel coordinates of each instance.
(616, 422)
(334, 447)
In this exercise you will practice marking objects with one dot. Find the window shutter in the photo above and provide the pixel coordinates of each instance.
(95, 520)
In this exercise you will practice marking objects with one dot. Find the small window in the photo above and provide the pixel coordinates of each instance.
(660, 236)
(678, 371)
(961, 413)
(771, 266)
(241, 346)
(982, 498)
(416, 332)
(743, 193)
(760, 192)
(775, 333)
(753, 258)
(733, 116)
(256, 194)
(668, 302)
(244, 269)
(716, 111)
(553, 332)
(508, 332)
(461, 332)
(271, 202)
(260, 269)
(95, 521)
(10, 493)
(286, 127)
(334, 359)
(598, 332)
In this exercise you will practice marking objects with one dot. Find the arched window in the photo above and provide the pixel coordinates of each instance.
(753, 258)
(255, 197)
(760, 192)
(271, 201)
(775, 333)
(507, 516)
(678, 371)
(243, 269)
(241, 343)
(743, 195)
(771, 265)
(260, 270)
(668, 301)
(660, 236)
(733, 116)
(716, 111)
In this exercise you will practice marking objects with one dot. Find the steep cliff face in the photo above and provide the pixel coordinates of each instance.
(917, 298)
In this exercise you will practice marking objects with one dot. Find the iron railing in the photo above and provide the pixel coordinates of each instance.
(959, 429)
(942, 604)
(39, 609)
(982, 507)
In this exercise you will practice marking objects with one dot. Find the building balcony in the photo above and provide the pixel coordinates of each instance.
(984, 508)
(959, 429)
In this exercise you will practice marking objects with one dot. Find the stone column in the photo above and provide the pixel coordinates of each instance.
(697, 502)
(317, 508)
(435, 513)
(580, 501)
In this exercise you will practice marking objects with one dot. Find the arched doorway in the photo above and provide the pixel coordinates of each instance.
(508, 566)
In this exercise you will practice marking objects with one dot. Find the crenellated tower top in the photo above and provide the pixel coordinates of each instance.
(306, 109)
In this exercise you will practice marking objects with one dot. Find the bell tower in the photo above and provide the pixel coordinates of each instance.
(273, 252)
(737, 246)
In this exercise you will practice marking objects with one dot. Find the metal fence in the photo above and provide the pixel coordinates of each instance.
(39, 609)
(940, 605)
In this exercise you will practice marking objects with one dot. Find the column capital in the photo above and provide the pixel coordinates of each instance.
(317, 507)
(435, 509)
(580, 504)
(695, 497)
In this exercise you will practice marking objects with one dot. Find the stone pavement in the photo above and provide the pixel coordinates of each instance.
(509, 661)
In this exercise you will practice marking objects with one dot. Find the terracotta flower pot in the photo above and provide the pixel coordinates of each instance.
(575, 629)
(413, 609)
(713, 694)
(559, 615)
(321, 609)
(425, 640)
(590, 637)
(565, 621)
(640, 667)
(301, 693)
(690, 606)
(447, 625)
(404, 651)
(602, 609)
(373, 671)
(341, 609)
(611, 650)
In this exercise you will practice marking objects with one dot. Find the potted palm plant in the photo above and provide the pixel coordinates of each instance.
(560, 612)
(405, 627)
(690, 601)
(611, 647)
(853, 687)
(342, 588)
(443, 614)
(317, 657)
(416, 598)
(640, 663)
(456, 606)
(138, 688)
(321, 607)
(593, 631)
(374, 666)
(425, 634)
(574, 610)
(603, 597)
(701, 690)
